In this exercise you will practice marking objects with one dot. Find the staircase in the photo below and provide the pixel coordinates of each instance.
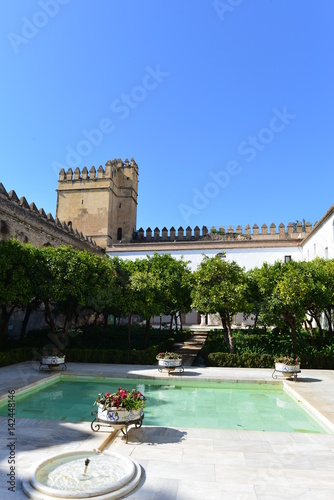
(191, 349)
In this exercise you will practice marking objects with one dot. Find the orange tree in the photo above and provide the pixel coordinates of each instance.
(18, 279)
(220, 287)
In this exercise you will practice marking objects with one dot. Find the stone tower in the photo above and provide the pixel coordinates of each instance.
(100, 204)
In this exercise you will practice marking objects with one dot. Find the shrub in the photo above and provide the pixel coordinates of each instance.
(245, 360)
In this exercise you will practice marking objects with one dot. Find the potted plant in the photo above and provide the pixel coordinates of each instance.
(287, 364)
(169, 359)
(52, 357)
(124, 405)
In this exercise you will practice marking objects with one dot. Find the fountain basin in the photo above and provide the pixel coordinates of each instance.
(108, 476)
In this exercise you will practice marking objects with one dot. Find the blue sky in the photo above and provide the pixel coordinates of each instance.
(226, 106)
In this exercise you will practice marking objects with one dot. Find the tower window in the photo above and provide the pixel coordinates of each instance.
(119, 233)
(120, 205)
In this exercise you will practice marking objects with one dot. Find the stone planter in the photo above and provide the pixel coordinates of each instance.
(287, 370)
(117, 416)
(53, 360)
(169, 363)
(52, 363)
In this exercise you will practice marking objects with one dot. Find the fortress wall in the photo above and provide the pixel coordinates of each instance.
(292, 231)
(28, 224)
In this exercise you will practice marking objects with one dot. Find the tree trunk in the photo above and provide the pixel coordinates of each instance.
(255, 321)
(147, 331)
(28, 311)
(68, 314)
(181, 325)
(292, 323)
(49, 317)
(328, 315)
(224, 329)
(318, 322)
(129, 330)
(294, 338)
(105, 321)
(4, 320)
(309, 323)
(231, 342)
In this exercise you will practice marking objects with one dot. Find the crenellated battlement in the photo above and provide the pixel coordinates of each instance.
(27, 223)
(292, 231)
(112, 168)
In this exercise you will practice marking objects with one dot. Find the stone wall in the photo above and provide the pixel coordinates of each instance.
(28, 224)
(292, 231)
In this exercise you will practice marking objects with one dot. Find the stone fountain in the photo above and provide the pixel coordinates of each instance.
(83, 474)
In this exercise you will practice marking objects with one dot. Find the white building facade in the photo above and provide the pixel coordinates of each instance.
(248, 252)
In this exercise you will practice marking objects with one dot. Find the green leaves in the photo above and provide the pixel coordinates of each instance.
(159, 284)
(219, 286)
(17, 273)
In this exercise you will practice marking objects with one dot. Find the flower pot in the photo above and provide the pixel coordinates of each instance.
(169, 363)
(287, 369)
(118, 415)
(53, 360)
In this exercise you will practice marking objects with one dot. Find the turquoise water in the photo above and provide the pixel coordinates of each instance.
(211, 405)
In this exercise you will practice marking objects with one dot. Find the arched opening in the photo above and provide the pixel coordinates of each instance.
(119, 233)
(4, 229)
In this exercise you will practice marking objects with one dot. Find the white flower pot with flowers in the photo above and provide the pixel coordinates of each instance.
(169, 361)
(289, 366)
(122, 406)
(52, 358)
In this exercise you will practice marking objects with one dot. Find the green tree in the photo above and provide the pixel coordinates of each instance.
(174, 278)
(285, 288)
(220, 287)
(144, 291)
(254, 295)
(119, 303)
(318, 295)
(325, 270)
(77, 280)
(17, 279)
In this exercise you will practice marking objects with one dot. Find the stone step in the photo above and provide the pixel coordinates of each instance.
(191, 348)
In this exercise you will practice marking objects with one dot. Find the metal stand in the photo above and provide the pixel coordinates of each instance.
(123, 426)
(291, 374)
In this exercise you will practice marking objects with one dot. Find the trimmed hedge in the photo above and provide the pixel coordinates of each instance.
(133, 357)
(245, 360)
(14, 356)
(317, 361)
(252, 360)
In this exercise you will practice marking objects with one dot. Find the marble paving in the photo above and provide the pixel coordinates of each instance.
(184, 463)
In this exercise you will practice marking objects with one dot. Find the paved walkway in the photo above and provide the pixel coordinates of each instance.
(183, 463)
(190, 350)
